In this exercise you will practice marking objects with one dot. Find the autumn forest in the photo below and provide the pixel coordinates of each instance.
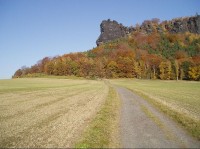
(164, 56)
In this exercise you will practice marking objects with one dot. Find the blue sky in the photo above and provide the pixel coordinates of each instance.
(33, 29)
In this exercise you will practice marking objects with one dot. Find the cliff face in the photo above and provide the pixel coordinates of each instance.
(111, 30)
(190, 24)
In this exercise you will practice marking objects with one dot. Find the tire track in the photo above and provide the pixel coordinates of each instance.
(142, 126)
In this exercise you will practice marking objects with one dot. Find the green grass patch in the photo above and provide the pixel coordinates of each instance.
(103, 130)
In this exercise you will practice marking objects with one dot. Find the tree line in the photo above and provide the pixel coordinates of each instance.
(144, 56)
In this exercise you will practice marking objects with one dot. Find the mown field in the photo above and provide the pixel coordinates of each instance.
(43, 112)
(178, 99)
(50, 112)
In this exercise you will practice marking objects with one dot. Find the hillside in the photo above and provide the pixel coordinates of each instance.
(139, 52)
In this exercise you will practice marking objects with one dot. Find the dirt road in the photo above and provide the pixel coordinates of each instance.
(143, 126)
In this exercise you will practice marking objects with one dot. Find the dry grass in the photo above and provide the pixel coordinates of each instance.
(47, 112)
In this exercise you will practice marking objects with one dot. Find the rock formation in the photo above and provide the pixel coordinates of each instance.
(181, 25)
(111, 30)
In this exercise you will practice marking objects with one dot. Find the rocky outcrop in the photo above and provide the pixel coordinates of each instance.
(181, 25)
(111, 30)
(194, 24)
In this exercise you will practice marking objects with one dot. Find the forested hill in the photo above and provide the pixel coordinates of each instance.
(156, 55)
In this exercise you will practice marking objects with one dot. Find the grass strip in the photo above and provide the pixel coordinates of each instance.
(103, 130)
(169, 135)
(190, 124)
(152, 116)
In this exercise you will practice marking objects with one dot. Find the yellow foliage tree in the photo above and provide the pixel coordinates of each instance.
(194, 73)
(165, 70)
(137, 70)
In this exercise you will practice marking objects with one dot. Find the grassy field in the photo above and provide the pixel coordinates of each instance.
(47, 112)
(178, 99)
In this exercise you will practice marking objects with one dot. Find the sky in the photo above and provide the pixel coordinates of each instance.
(33, 29)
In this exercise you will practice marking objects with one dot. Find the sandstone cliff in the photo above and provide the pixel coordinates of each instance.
(111, 30)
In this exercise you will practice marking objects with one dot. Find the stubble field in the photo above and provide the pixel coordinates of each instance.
(47, 112)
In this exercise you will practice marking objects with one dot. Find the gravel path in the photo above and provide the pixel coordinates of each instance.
(142, 126)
